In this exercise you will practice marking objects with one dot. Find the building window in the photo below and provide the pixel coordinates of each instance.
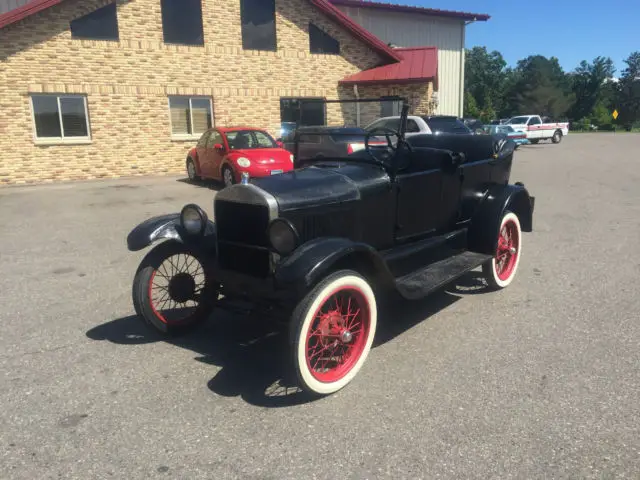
(258, 24)
(322, 42)
(390, 107)
(190, 116)
(182, 22)
(60, 118)
(101, 24)
(308, 113)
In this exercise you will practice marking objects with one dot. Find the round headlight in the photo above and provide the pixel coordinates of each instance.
(243, 162)
(283, 236)
(193, 219)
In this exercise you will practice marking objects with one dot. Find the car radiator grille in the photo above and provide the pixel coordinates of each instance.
(242, 237)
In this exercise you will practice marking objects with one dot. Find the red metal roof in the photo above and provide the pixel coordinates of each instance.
(411, 9)
(374, 42)
(418, 64)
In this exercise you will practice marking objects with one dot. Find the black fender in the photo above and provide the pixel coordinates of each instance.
(483, 231)
(311, 262)
(166, 227)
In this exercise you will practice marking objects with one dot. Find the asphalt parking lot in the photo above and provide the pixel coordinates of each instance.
(537, 381)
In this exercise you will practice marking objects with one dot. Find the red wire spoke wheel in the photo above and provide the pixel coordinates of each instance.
(172, 289)
(332, 331)
(501, 270)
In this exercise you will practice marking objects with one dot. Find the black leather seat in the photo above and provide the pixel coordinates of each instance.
(474, 147)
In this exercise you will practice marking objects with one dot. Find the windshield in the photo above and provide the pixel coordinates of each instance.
(446, 125)
(249, 139)
(518, 120)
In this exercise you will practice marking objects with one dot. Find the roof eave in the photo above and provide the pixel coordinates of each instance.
(26, 10)
(477, 17)
(356, 30)
(405, 81)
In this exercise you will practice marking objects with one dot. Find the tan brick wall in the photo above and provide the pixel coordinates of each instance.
(127, 83)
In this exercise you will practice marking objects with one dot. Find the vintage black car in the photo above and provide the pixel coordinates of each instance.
(320, 245)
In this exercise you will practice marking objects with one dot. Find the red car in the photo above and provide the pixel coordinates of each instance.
(225, 153)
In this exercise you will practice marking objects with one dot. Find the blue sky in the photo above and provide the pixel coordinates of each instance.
(572, 30)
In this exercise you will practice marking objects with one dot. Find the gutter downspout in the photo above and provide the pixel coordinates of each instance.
(357, 94)
(462, 59)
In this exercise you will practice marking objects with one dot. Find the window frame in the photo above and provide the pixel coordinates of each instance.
(113, 5)
(62, 140)
(275, 30)
(192, 135)
(189, 44)
(323, 35)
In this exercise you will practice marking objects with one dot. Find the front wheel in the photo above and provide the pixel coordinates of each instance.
(557, 137)
(173, 288)
(332, 330)
(500, 271)
(228, 177)
(534, 141)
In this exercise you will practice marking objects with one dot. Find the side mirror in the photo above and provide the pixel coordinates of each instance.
(279, 143)
(479, 131)
(219, 147)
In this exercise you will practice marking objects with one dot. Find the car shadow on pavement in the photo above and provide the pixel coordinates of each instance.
(254, 355)
(210, 184)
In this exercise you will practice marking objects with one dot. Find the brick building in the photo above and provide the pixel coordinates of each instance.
(103, 88)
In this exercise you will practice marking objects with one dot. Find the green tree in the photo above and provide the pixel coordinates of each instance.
(629, 92)
(539, 86)
(470, 106)
(590, 83)
(484, 81)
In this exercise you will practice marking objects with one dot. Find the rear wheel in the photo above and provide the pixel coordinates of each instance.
(500, 271)
(173, 288)
(191, 170)
(332, 330)
(557, 136)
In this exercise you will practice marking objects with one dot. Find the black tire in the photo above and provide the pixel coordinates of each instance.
(191, 170)
(144, 285)
(557, 136)
(228, 177)
(500, 275)
(356, 330)
(534, 141)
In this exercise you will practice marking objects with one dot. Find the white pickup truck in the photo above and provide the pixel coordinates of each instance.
(535, 129)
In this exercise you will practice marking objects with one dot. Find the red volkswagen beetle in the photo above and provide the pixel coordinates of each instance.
(225, 153)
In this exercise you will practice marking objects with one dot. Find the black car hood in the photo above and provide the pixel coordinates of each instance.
(323, 183)
(308, 186)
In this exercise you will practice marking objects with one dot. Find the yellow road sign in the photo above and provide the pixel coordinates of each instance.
(615, 114)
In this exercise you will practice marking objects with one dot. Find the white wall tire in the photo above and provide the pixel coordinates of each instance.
(343, 331)
(501, 270)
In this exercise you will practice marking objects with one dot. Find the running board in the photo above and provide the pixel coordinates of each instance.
(420, 283)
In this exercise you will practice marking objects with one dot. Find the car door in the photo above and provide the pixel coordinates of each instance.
(420, 194)
(210, 155)
(215, 156)
(534, 125)
(201, 151)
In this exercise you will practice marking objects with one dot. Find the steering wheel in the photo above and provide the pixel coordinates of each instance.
(388, 133)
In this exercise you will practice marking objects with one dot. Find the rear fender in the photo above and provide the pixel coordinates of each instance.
(167, 227)
(483, 231)
(317, 258)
